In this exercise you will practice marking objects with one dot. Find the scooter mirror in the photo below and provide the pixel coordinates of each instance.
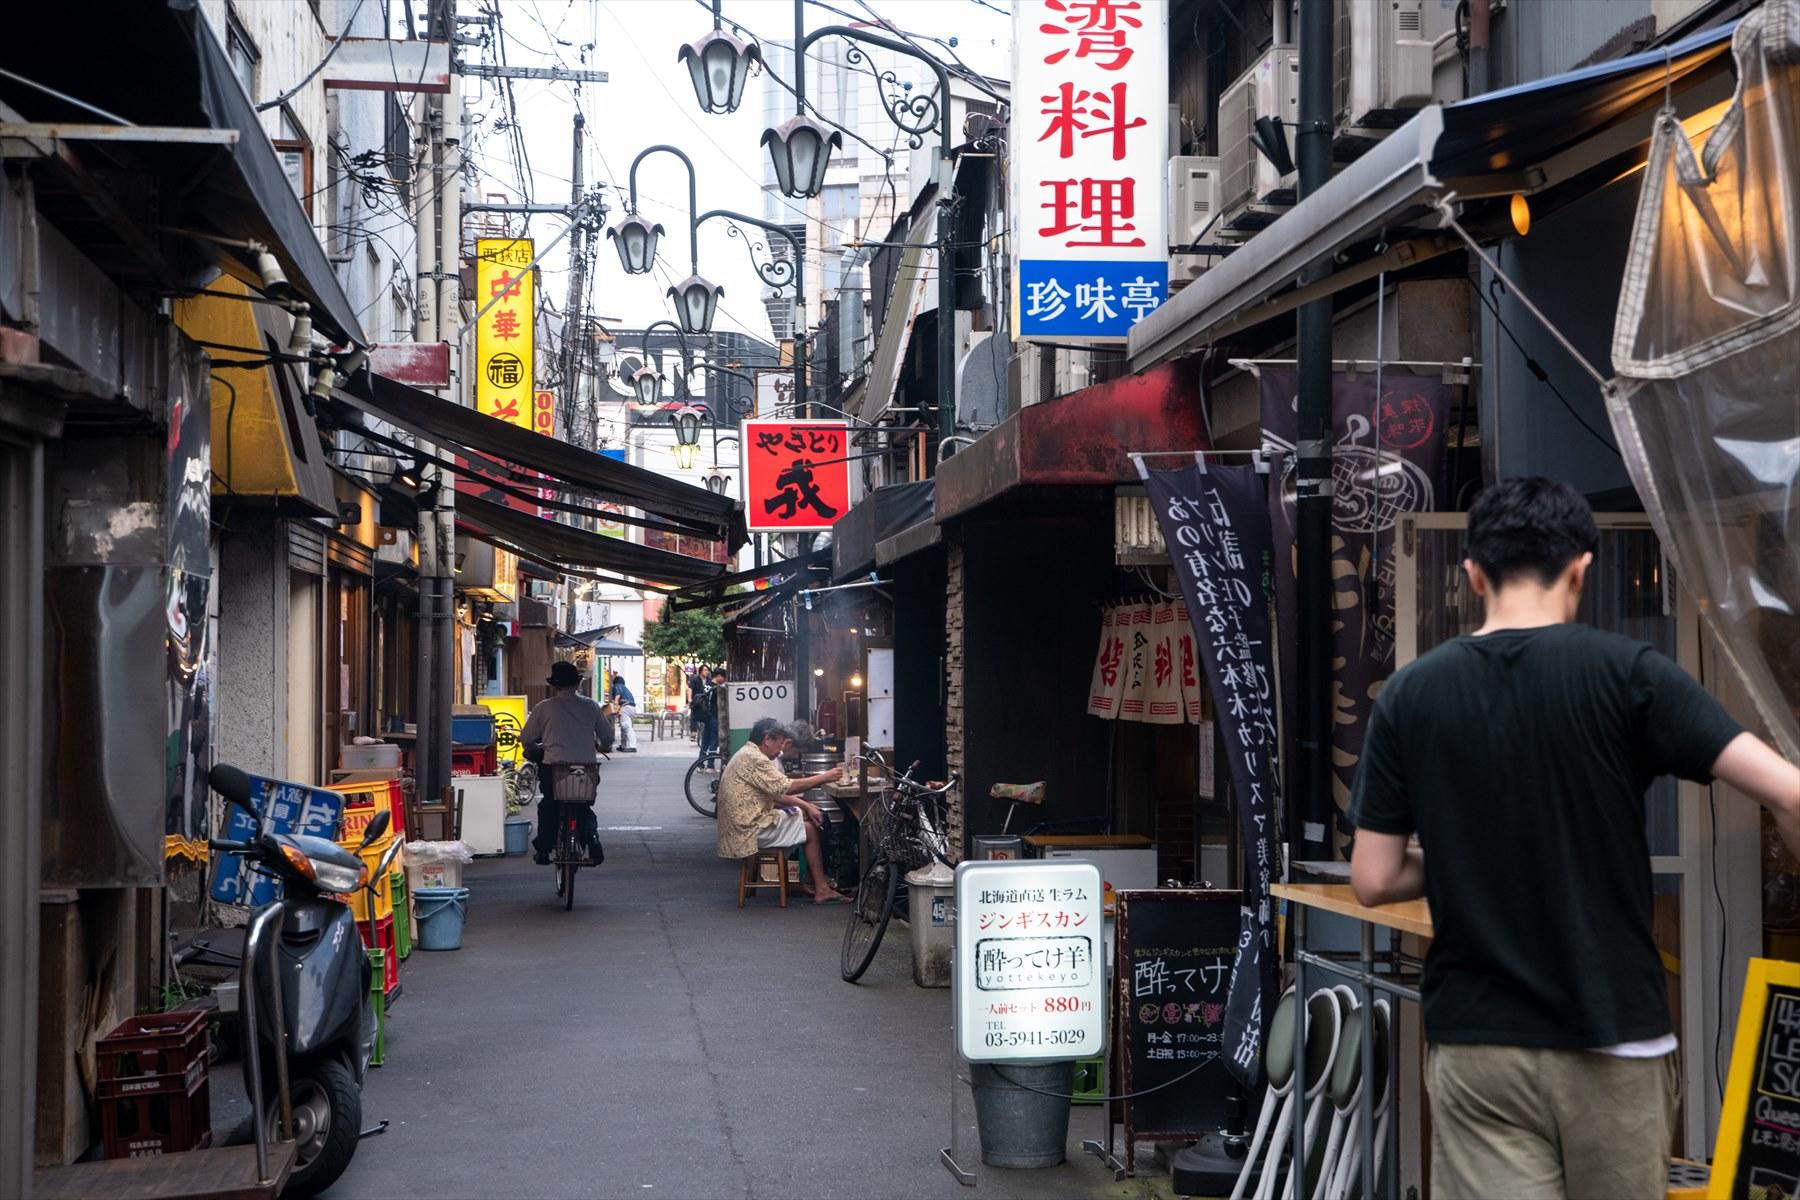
(234, 785)
(378, 825)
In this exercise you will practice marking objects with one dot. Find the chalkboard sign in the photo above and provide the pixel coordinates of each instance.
(1173, 965)
(1757, 1155)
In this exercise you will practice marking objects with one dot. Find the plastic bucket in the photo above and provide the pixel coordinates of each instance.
(518, 835)
(1020, 1127)
(441, 912)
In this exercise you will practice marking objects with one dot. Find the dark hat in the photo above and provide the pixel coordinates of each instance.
(564, 674)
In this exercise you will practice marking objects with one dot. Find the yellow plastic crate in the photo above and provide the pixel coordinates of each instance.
(384, 892)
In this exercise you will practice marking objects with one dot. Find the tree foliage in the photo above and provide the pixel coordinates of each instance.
(696, 635)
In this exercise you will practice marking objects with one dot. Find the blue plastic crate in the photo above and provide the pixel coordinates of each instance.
(472, 730)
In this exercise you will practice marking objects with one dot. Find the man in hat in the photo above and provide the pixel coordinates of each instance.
(567, 729)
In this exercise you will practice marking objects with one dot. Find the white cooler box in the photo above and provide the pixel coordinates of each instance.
(483, 812)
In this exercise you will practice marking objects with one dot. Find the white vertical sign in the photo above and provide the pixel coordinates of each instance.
(1090, 144)
(1030, 966)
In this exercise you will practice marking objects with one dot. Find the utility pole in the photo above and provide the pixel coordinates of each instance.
(1312, 815)
(427, 783)
(449, 281)
(577, 428)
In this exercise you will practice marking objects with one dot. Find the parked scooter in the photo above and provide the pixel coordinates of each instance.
(323, 1010)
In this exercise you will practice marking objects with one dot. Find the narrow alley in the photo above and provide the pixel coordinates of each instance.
(658, 1041)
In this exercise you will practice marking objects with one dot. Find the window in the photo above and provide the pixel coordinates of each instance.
(397, 143)
(296, 155)
(242, 52)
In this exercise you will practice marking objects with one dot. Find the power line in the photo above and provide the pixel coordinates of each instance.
(278, 101)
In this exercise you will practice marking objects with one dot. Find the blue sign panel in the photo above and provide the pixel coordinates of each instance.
(1076, 298)
(285, 808)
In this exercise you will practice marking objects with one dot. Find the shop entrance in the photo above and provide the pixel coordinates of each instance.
(1704, 909)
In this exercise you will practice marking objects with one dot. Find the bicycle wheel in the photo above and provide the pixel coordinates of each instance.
(869, 918)
(701, 784)
(569, 887)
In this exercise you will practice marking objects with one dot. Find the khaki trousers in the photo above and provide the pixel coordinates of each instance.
(1510, 1121)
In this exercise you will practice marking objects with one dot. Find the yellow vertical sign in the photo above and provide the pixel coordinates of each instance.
(503, 336)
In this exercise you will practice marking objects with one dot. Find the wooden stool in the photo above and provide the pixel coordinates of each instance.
(750, 876)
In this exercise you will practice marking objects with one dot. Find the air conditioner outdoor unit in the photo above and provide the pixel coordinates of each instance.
(1385, 58)
(1250, 185)
(1193, 198)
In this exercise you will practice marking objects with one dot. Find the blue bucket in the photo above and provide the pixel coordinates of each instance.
(440, 912)
(518, 835)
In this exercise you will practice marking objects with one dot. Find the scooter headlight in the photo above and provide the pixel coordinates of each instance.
(335, 877)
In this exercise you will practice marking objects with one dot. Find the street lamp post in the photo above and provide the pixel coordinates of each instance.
(647, 384)
(800, 151)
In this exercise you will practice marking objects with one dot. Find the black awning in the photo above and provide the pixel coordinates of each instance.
(789, 573)
(160, 64)
(875, 518)
(438, 420)
(548, 541)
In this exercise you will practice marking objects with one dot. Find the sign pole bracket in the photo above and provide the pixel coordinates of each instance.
(950, 1155)
(1099, 1150)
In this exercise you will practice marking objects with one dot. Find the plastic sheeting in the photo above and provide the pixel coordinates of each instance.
(1706, 402)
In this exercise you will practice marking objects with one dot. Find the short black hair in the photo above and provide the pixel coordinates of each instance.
(767, 728)
(1529, 525)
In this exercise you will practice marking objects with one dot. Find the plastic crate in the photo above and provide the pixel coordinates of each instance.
(146, 1124)
(1090, 1081)
(384, 890)
(378, 1001)
(472, 729)
(383, 934)
(402, 914)
(152, 1046)
(361, 802)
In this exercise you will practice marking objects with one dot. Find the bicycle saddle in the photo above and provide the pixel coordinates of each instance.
(1019, 793)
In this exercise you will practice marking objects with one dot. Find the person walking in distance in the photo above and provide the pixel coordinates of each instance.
(627, 705)
(709, 729)
(1520, 755)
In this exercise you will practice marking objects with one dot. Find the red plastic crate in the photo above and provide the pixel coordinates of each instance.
(474, 760)
(152, 1046)
(147, 1124)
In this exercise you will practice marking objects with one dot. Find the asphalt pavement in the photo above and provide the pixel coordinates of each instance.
(659, 1041)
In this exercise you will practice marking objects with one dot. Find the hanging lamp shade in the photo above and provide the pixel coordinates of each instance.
(647, 383)
(800, 149)
(636, 240)
(696, 303)
(719, 65)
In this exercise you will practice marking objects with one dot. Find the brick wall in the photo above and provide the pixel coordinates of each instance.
(954, 754)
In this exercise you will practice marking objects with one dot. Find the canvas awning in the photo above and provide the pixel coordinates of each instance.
(878, 516)
(909, 297)
(1567, 132)
(160, 64)
(716, 591)
(690, 509)
(565, 545)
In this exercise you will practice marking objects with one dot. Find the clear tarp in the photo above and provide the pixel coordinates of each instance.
(1706, 402)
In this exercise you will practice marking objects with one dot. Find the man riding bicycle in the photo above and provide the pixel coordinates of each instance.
(568, 729)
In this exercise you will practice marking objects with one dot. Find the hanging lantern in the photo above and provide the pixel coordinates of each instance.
(800, 149)
(696, 302)
(636, 240)
(719, 65)
(647, 383)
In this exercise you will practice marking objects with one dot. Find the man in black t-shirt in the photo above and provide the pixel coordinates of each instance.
(1520, 756)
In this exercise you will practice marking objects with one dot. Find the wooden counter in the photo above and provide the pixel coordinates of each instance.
(1409, 916)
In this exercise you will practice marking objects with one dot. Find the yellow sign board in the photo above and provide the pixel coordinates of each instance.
(504, 336)
(509, 725)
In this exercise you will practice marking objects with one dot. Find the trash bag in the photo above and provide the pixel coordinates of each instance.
(1706, 347)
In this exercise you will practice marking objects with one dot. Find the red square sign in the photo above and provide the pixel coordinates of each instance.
(796, 474)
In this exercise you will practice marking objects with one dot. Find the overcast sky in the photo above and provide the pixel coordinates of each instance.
(649, 99)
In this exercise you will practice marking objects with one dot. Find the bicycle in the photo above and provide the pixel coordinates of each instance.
(906, 831)
(701, 784)
(569, 854)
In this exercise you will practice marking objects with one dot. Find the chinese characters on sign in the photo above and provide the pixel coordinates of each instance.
(1216, 525)
(1091, 111)
(796, 474)
(504, 337)
(1030, 975)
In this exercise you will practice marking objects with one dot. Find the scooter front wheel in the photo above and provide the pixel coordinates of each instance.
(327, 1107)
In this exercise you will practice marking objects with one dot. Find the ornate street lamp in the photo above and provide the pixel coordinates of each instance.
(636, 240)
(800, 149)
(719, 65)
(687, 437)
(647, 383)
(696, 302)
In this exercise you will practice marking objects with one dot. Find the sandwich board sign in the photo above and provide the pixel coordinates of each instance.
(1757, 1153)
(1029, 979)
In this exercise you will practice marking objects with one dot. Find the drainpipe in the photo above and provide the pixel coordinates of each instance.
(1312, 812)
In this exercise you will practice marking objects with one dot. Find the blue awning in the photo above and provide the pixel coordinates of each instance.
(1531, 138)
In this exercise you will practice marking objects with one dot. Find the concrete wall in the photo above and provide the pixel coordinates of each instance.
(253, 646)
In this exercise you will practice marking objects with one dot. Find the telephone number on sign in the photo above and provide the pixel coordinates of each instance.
(1008, 1039)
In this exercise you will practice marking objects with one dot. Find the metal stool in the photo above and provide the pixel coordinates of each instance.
(750, 874)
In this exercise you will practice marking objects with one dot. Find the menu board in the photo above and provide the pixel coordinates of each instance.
(1175, 952)
(1757, 1155)
(1030, 971)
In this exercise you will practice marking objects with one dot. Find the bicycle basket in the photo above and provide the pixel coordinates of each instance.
(574, 783)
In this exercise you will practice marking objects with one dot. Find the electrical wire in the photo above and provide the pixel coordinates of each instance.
(1537, 368)
(278, 101)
